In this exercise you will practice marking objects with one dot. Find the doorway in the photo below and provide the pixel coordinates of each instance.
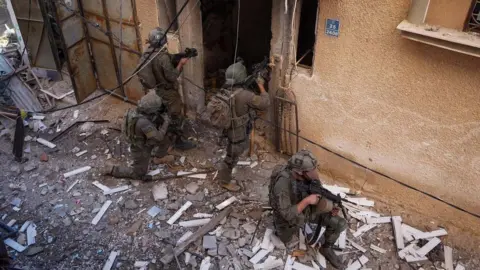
(219, 24)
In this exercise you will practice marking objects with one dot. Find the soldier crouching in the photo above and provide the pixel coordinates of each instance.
(292, 208)
(140, 128)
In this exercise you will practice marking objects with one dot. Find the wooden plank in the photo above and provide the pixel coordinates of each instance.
(102, 211)
(428, 247)
(397, 228)
(111, 259)
(167, 258)
(448, 252)
(179, 212)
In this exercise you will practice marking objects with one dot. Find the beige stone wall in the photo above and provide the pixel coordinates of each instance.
(147, 15)
(408, 110)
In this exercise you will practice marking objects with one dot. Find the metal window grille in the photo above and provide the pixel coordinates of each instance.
(474, 20)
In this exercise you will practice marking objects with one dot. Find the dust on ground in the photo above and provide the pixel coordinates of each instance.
(66, 239)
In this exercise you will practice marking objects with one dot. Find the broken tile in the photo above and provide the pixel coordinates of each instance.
(209, 242)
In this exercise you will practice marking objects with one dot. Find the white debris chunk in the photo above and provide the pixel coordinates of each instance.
(37, 117)
(102, 211)
(184, 237)
(363, 229)
(202, 215)
(299, 266)
(205, 264)
(321, 259)
(111, 259)
(277, 242)
(101, 186)
(410, 249)
(259, 256)
(428, 247)
(81, 153)
(270, 263)
(357, 246)
(160, 192)
(356, 265)
(11, 222)
(412, 258)
(46, 143)
(301, 240)
(140, 264)
(266, 238)
(77, 171)
(397, 228)
(72, 185)
(460, 267)
(289, 263)
(179, 212)
(342, 240)
(409, 232)
(377, 249)
(25, 226)
(379, 220)
(13, 244)
(115, 190)
(448, 257)
(154, 172)
(428, 235)
(194, 223)
(254, 164)
(31, 234)
(187, 257)
(257, 246)
(75, 114)
(198, 176)
(243, 163)
(226, 203)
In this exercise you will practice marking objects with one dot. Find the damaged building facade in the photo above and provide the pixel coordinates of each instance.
(388, 90)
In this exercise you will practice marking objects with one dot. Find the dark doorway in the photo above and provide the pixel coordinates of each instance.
(220, 31)
(306, 32)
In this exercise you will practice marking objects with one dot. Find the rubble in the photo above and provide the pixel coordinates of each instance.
(160, 192)
(102, 211)
(77, 171)
(179, 212)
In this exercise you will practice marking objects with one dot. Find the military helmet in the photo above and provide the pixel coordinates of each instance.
(157, 37)
(303, 161)
(236, 73)
(150, 103)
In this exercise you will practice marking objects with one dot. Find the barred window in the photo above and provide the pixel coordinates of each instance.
(474, 18)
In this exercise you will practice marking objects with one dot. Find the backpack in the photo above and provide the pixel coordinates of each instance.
(220, 111)
(129, 121)
(276, 173)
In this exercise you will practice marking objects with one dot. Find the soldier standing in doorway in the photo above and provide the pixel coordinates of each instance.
(244, 103)
(292, 208)
(161, 75)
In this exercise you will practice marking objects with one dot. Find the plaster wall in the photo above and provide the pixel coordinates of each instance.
(408, 110)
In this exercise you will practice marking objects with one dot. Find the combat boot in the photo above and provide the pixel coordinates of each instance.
(328, 253)
(183, 144)
(231, 187)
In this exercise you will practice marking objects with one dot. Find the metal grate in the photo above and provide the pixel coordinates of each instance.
(474, 21)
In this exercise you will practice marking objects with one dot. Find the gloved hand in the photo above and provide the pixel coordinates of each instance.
(166, 118)
(260, 80)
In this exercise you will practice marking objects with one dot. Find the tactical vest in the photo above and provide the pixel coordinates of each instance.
(129, 122)
(278, 171)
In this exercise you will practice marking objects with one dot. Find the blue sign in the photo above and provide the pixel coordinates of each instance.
(332, 27)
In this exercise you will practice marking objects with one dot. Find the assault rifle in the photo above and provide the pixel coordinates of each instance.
(260, 69)
(315, 187)
(189, 53)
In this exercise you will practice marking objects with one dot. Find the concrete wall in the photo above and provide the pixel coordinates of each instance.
(147, 15)
(408, 110)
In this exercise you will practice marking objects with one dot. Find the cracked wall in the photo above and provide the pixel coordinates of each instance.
(408, 110)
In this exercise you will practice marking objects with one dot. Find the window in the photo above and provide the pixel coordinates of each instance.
(474, 19)
(306, 32)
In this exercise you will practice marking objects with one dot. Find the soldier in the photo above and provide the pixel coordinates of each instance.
(140, 128)
(161, 75)
(292, 209)
(245, 104)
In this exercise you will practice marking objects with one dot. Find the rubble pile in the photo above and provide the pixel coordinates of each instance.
(67, 215)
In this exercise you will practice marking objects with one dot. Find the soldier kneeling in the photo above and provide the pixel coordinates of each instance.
(140, 128)
(292, 207)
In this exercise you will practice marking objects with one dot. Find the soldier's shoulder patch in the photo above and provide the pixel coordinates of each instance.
(256, 100)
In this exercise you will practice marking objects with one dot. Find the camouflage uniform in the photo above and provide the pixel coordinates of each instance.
(161, 75)
(284, 197)
(144, 136)
(244, 104)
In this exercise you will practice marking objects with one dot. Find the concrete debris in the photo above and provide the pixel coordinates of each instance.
(277, 242)
(182, 160)
(270, 263)
(132, 231)
(266, 239)
(154, 211)
(111, 259)
(197, 176)
(379, 220)
(115, 190)
(154, 172)
(222, 249)
(243, 163)
(448, 253)
(101, 186)
(194, 223)
(460, 267)
(205, 264)
(77, 171)
(192, 187)
(30, 167)
(357, 246)
(428, 235)
(75, 150)
(102, 211)
(226, 203)
(16, 202)
(397, 229)
(378, 249)
(253, 165)
(364, 229)
(72, 185)
(428, 247)
(46, 143)
(202, 215)
(34, 250)
(184, 237)
(141, 264)
(358, 263)
(75, 114)
(11, 243)
(79, 154)
(31, 234)
(21, 187)
(25, 226)
(11, 222)
(130, 205)
(249, 227)
(209, 242)
(259, 256)
(232, 234)
(179, 213)
(301, 240)
(299, 266)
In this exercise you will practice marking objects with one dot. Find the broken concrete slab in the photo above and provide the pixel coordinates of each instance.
(160, 192)
(397, 228)
(154, 211)
(46, 143)
(428, 235)
(222, 249)
(209, 242)
(226, 203)
(11, 243)
(192, 187)
(179, 213)
(117, 189)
